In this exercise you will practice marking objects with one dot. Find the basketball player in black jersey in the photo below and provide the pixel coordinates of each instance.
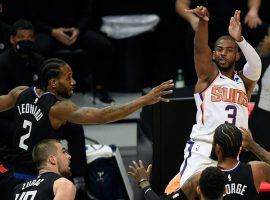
(40, 113)
(52, 162)
(243, 180)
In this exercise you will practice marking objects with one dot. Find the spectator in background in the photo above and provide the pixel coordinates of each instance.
(64, 24)
(20, 58)
(254, 28)
(11, 11)
(52, 161)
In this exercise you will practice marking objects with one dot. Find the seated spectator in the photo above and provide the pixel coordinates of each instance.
(63, 24)
(52, 161)
(19, 65)
(11, 11)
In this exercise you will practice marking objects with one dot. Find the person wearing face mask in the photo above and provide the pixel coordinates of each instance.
(19, 64)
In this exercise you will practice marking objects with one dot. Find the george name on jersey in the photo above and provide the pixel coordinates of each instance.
(31, 109)
(235, 188)
(34, 182)
(230, 95)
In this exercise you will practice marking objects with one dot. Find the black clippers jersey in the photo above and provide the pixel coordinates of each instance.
(240, 183)
(32, 124)
(40, 188)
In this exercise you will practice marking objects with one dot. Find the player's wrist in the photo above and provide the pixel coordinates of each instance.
(143, 183)
(240, 39)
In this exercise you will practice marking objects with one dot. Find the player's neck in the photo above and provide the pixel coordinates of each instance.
(227, 163)
(229, 74)
(48, 169)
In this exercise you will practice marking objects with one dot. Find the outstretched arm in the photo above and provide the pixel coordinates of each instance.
(68, 111)
(249, 144)
(205, 68)
(142, 176)
(8, 101)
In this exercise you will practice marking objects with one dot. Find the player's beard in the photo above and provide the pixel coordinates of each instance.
(64, 171)
(226, 69)
(63, 92)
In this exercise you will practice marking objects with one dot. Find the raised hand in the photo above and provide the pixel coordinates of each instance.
(201, 12)
(235, 28)
(139, 173)
(247, 139)
(157, 93)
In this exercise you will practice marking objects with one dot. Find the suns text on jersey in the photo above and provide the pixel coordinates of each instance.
(231, 95)
(31, 109)
(235, 188)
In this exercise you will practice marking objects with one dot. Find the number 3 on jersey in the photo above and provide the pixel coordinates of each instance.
(232, 115)
(26, 125)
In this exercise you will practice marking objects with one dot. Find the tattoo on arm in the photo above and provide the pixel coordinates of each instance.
(261, 153)
(114, 108)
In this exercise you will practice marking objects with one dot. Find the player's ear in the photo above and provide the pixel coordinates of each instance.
(198, 189)
(52, 159)
(53, 83)
(11, 39)
(214, 55)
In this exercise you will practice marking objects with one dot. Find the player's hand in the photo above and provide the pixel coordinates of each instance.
(157, 93)
(252, 19)
(247, 139)
(201, 12)
(139, 173)
(235, 27)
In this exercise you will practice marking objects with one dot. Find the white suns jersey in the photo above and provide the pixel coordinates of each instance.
(224, 101)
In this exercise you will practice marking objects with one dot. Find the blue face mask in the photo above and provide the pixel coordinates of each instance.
(24, 47)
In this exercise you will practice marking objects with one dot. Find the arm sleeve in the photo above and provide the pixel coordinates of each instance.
(253, 67)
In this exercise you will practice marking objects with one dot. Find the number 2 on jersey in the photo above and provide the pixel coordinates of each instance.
(231, 115)
(26, 124)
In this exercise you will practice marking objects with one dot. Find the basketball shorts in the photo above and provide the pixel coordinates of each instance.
(196, 158)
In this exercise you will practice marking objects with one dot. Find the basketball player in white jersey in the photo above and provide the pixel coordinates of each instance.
(221, 94)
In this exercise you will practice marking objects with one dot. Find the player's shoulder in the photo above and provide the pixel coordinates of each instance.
(64, 183)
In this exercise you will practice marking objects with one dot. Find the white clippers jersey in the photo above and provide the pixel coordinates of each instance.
(225, 100)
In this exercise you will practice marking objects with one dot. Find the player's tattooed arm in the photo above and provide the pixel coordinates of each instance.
(8, 101)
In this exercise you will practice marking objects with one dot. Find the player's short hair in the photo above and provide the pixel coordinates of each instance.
(22, 24)
(212, 183)
(225, 37)
(229, 137)
(42, 150)
(50, 68)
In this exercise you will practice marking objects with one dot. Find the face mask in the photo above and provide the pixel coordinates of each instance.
(24, 47)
